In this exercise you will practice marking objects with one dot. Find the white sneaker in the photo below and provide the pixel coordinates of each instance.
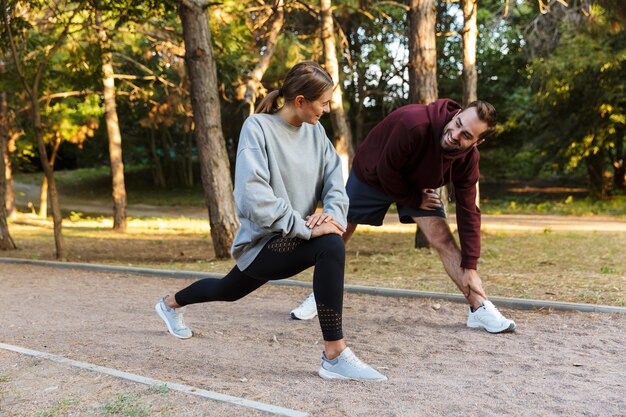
(173, 318)
(307, 310)
(348, 366)
(489, 318)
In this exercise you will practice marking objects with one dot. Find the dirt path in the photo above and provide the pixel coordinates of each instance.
(556, 364)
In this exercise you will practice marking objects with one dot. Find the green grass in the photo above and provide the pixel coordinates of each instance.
(584, 206)
(505, 197)
(587, 267)
(127, 405)
(581, 266)
(95, 183)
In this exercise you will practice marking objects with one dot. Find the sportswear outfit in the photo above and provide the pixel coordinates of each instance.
(399, 158)
(282, 173)
(402, 155)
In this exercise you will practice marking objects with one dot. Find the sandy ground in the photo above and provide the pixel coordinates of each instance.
(555, 364)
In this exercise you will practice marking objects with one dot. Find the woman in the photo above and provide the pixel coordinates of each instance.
(285, 166)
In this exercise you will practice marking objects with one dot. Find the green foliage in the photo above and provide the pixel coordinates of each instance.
(73, 120)
(579, 95)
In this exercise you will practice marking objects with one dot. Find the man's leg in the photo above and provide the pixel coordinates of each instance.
(438, 233)
(482, 314)
(349, 232)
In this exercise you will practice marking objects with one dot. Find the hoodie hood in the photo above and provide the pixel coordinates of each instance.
(440, 113)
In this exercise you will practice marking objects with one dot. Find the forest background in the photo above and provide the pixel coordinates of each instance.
(144, 100)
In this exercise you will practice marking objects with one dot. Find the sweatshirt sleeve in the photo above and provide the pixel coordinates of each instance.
(334, 197)
(467, 213)
(254, 196)
(396, 154)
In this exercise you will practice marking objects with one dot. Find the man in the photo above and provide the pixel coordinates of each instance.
(414, 150)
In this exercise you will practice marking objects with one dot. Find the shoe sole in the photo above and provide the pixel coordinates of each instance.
(326, 374)
(480, 326)
(293, 316)
(157, 307)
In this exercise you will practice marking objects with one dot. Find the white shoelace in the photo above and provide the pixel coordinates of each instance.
(351, 359)
(494, 310)
(179, 318)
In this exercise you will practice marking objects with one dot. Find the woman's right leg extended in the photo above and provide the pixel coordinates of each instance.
(235, 285)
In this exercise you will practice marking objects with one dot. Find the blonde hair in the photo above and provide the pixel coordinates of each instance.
(306, 79)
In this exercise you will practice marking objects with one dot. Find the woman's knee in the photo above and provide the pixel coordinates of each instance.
(331, 245)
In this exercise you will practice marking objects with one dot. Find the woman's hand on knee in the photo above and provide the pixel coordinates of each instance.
(327, 229)
(317, 219)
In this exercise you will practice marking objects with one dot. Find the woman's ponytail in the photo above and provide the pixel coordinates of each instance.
(269, 104)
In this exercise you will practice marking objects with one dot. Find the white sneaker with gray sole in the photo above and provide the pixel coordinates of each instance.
(173, 318)
(489, 318)
(348, 366)
(305, 311)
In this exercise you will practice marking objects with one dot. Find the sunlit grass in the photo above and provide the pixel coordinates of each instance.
(95, 183)
(616, 206)
(580, 266)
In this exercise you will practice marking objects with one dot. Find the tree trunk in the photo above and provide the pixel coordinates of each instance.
(470, 75)
(423, 70)
(595, 174)
(361, 92)
(252, 86)
(113, 130)
(214, 165)
(470, 34)
(159, 176)
(43, 195)
(57, 219)
(10, 187)
(188, 161)
(5, 150)
(6, 242)
(341, 129)
(422, 52)
(619, 162)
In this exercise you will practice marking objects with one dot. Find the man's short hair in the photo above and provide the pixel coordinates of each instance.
(486, 113)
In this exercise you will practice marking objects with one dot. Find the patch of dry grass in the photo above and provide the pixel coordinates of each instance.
(586, 267)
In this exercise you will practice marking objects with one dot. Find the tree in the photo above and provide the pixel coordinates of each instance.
(341, 129)
(374, 79)
(33, 90)
(423, 69)
(6, 242)
(214, 164)
(8, 137)
(113, 127)
(267, 52)
(470, 34)
(422, 52)
(579, 97)
(469, 74)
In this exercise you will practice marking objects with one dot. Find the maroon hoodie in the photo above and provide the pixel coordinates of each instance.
(402, 155)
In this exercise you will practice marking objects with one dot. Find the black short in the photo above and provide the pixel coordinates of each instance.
(369, 206)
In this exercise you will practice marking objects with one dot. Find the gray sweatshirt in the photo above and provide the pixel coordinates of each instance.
(282, 172)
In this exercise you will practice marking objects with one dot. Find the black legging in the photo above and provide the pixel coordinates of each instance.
(282, 258)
